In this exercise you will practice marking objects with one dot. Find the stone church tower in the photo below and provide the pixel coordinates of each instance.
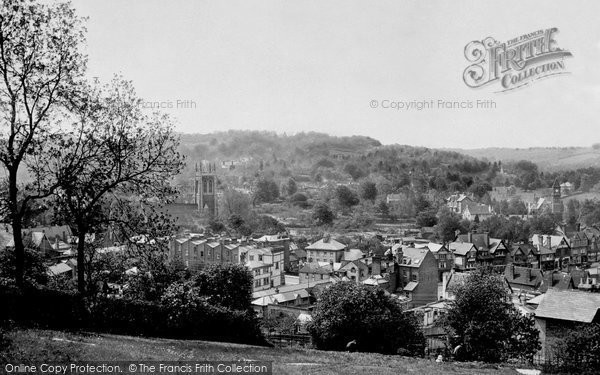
(557, 204)
(205, 195)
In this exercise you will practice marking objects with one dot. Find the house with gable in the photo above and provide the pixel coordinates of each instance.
(442, 255)
(579, 243)
(418, 272)
(525, 255)
(593, 235)
(464, 254)
(325, 250)
(477, 210)
(490, 251)
(458, 202)
(556, 247)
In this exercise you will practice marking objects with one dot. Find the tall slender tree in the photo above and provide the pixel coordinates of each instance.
(117, 152)
(40, 70)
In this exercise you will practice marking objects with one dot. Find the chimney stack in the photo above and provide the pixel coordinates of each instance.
(470, 237)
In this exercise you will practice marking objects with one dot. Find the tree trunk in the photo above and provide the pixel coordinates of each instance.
(81, 261)
(17, 227)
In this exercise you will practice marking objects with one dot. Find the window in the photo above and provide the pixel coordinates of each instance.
(413, 277)
(260, 258)
(202, 253)
(251, 258)
(276, 265)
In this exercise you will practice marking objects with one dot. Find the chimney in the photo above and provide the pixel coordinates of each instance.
(528, 273)
(470, 237)
(540, 241)
(376, 266)
(549, 239)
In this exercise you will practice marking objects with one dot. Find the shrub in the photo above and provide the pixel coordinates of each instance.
(346, 311)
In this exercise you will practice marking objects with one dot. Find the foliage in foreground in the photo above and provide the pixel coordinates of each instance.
(579, 352)
(485, 323)
(346, 312)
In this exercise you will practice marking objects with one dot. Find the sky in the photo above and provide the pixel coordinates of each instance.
(339, 66)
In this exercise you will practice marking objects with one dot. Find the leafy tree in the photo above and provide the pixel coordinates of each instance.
(544, 224)
(41, 67)
(346, 197)
(578, 351)
(368, 191)
(227, 285)
(346, 311)
(322, 214)
(35, 271)
(383, 208)
(266, 190)
(480, 188)
(426, 219)
(291, 187)
(483, 320)
(117, 152)
(215, 225)
(234, 202)
(448, 224)
(279, 322)
(299, 199)
(235, 221)
(354, 171)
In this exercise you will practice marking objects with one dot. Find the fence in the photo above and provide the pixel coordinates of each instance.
(282, 340)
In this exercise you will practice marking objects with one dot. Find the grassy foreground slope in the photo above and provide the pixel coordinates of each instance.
(29, 345)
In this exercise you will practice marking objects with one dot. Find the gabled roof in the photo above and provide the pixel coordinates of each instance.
(480, 240)
(435, 247)
(324, 244)
(524, 276)
(495, 244)
(555, 241)
(353, 254)
(375, 280)
(478, 209)
(355, 263)
(413, 257)
(574, 306)
(461, 248)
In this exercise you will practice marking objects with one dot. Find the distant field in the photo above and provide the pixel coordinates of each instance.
(550, 159)
(582, 197)
(56, 346)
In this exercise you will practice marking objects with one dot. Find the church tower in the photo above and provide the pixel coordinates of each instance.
(205, 195)
(557, 205)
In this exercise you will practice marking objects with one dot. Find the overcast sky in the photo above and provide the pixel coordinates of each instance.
(291, 66)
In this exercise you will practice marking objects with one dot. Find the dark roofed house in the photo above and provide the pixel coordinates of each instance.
(464, 254)
(526, 255)
(418, 275)
(523, 278)
(560, 311)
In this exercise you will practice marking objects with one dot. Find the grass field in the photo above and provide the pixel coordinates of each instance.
(44, 345)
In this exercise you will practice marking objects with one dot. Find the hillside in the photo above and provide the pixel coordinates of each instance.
(319, 157)
(548, 159)
(57, 346)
